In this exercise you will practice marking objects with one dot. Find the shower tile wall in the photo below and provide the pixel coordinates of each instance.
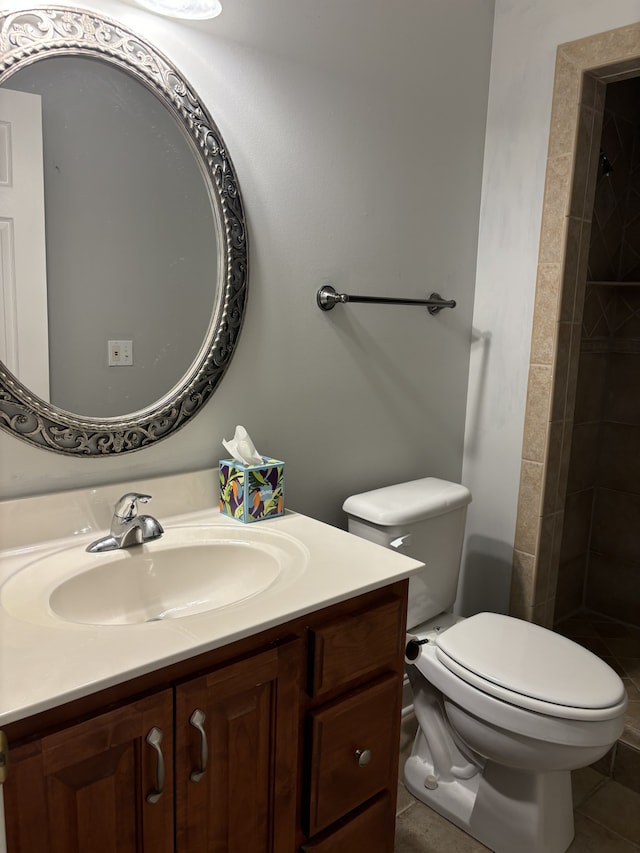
(600, 553)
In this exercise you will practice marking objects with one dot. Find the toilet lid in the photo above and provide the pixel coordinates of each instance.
(499, 653)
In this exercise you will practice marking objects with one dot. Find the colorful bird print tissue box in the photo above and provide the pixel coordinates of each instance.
(252, 492)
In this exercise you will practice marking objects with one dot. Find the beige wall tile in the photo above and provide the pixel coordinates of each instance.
(611, 48)
(583, 162)
(522, 583)
(542, 613)
(572, 256)
(529, 504)
(555, 209)
(564, 114)
(544, 555)
(589, 90)
(561, 372)
(545, 313)
(537, 412)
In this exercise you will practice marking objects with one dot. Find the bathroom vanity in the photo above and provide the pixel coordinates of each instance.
(271, 724)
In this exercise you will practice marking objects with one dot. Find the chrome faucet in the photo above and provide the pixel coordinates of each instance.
(127, 527)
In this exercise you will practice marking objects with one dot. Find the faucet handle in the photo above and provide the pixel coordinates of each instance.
(126, 507)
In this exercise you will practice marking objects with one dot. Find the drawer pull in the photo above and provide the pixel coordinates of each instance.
(196, 720)
(363, 757)
(154, 739)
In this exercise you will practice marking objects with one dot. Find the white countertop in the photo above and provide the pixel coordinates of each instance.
(45, 662)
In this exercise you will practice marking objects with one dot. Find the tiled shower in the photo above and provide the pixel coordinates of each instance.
(600, 551)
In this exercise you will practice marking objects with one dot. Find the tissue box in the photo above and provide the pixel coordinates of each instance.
(251, 492)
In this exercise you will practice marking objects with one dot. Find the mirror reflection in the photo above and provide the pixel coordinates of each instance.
(146, 241)
(122, 293)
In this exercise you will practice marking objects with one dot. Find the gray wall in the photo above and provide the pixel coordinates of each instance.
(357, 133)
(131, 241)
(525, 41)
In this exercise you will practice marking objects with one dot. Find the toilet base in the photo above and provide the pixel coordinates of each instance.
(503, 808)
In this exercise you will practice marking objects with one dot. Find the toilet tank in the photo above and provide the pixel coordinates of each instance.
(423, 519)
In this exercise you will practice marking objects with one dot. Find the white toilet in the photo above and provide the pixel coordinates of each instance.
(506, 709)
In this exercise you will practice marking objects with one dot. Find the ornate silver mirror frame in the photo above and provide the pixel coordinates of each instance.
(28, 35)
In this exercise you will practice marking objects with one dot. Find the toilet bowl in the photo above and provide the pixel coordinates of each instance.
(505, 708)
(497, 739)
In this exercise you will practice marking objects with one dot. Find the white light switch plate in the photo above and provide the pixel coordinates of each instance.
(120, 353)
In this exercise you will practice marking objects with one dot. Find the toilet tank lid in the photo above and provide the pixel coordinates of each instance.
(405, 503)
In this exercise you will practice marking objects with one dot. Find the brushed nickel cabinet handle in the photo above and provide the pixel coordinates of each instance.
(196, 720)
(363, 757)
(154, 739)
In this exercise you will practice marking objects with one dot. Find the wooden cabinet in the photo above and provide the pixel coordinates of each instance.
(238, 756)
(90, 787)
(283, 742)
(353, 721)
(369, 828)
(106, 785)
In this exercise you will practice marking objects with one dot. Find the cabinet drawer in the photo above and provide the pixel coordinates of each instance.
(361, 643)
(369, 828)
(365, 720)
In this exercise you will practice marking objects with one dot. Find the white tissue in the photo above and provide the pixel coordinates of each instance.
(242, 448)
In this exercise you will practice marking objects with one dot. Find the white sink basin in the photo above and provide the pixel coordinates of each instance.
(189, 571)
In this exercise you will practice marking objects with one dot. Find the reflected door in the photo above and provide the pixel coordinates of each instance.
(24, 345)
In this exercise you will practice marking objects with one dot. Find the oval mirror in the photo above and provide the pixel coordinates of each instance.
(118, 325)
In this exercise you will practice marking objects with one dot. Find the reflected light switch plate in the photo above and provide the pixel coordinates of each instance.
(120, 353)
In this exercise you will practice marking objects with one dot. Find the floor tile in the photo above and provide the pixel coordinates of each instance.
(633, 692)
(632, 716)
(421, 830)
(615, 665)
(627, 767)
(623, 647)
(596, 645)
(611, 629)
(591, 837)
(615, 807)
(631, 737)
(576, 627)
(607, 820)
(584, 783)
(631, 667)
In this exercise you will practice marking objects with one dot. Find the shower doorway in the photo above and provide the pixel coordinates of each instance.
(578, 523)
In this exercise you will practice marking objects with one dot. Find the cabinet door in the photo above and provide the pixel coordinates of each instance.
(236, 760)
(90, 787)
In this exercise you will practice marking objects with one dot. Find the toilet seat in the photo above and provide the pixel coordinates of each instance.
(530, 667)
